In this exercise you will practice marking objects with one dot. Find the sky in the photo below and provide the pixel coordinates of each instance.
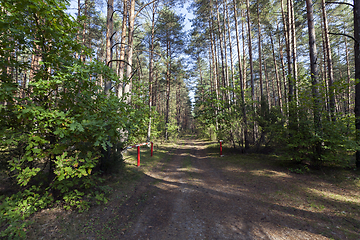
(188, 16)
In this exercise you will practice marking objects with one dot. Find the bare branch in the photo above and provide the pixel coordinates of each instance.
(144, 7)
(340, 3)
(113, 13)
(118, 60)
(119, 43)
(112, 35)
(343, 34)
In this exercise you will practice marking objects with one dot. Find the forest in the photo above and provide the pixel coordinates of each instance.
(82, 80)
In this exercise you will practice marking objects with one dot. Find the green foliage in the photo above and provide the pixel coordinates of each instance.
(59, 130)
(16, 208)
(291, 131)
(157, 125)
(173, 129)
(300, 140)
(300, 170)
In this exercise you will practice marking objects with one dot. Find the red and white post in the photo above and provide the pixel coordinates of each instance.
(221, 141)
(152, 148)
(138, 155)
(138, 150)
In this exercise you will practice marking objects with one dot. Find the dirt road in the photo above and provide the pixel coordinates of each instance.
(188, 192)
(190, 198)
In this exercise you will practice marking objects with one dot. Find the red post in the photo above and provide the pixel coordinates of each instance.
(152, 147)
(138, 159)
(221, 148)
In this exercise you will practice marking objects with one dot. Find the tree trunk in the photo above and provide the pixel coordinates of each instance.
(168, 76)
(269, 100)
(357, 74)
(221, 48)
(122, 50)
(289, 54)
(293, 38)
(227, 83)
(151, 65)
(109, 32)
(325, 76)
(129, 68)
(245, 84)
(314, 76)
(259, 51)
(231, 53)
(348, 76)
(329, 63)
(276, 75)
(82, 57)
(241, 77)
(251, 62)
(250, 51)
(210, 71)
(78, 33)
(283, 72)
(215, 69)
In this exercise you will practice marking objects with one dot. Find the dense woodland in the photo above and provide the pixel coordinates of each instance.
(79, 85)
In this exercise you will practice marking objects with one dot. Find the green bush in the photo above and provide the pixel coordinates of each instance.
(59, 131)
(300, 141)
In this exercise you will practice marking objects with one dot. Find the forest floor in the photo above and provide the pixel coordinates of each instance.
(187, 191)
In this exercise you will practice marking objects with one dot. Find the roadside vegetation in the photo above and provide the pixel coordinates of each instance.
(327, 199)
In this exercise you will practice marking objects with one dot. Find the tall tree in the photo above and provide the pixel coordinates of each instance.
(329, 62)
(250, 51)
(170, 36)
(151, 65)
(314, 74)
(241, 77)
(357, 74)
(259, 51)
(130, 52)
(122, 49)
(109, 35)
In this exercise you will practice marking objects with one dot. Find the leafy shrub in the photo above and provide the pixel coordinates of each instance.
(16, 208)
(59, 131)
(301, 142)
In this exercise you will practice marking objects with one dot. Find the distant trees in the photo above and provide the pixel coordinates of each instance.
(273, 80)
(169, 33)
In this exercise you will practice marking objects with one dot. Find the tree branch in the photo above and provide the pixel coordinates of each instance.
(340, 3)
(118, 43)
(113, 13)
(144, 7)
(118, 60)
(112, 35)
(343, 34)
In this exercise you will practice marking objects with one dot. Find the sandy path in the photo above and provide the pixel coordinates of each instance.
(192, 199)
